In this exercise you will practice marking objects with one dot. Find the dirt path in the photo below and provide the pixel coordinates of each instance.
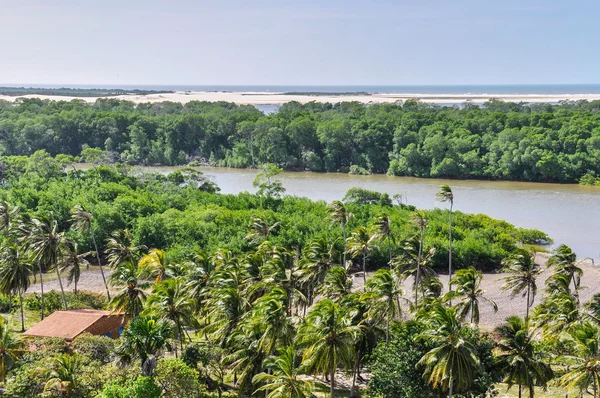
(90, 280)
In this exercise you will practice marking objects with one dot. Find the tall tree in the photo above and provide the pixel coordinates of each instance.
(130, 299)
(523, 272)
(82, 221)
(564, 261)
(583, 366)
(420, 221)
(339, 215)
(517, 355)
(445, 195)
(383, 290)
(260, 230)
(73, 261)
(382, 227)
(452, 363)
(468, 290)
(329, 336)
(360, 243)
(16, 270)
(48, 245)
(120, 249)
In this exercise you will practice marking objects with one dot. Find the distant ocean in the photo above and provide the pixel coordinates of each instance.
(516, 89)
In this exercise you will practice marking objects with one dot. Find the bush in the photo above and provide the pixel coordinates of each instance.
(178, 380)
(141, 387)
(97, 348)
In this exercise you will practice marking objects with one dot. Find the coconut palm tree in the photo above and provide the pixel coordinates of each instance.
(65, 377)
(564, 261)
(316, 261)
(169, 300)
(82, 221)
(468, 290)
(522, 365)
(144, 338)
(8, 217)
(523, 272)
(360, 243)
(445, 195)
(120, 249)
(329, 336)
(452, 363)
(284, 379)
(16, 270)
(382, 227)
(73, 261)
(130, 299)
(419, 220)
(48, 244)
(412, 263)
(384, 294)
(10, 349)
(583, 368)
(154, 265)
(260, 230)
(339, 215)
(337, 284)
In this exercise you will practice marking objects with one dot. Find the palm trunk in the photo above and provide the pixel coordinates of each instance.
(520, 390)
(62, 291)
(387, 329)
(527, 309)
(344, 235)
(450, 258)
(418, 277)
(100, 264)
(332, 383)
(364, 271)
(22, 316)
(450, 386)
(41, 289)
(389, 251)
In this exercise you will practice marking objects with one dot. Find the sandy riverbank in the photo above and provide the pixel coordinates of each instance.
(264, 98)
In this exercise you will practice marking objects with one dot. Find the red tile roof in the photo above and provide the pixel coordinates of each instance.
(67, 324)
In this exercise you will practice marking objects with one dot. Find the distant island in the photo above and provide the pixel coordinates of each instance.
(76, 92)
(323, 94)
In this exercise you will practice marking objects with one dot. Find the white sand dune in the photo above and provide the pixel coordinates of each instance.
(265, 98)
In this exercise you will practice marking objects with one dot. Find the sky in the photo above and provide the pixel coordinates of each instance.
(307, 42)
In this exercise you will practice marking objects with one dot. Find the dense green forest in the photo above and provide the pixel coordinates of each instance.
(536, 142)
(252, 294)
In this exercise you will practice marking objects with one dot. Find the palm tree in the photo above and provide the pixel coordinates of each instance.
(130, 299)
(82, 221)
(337, 284)
(74, 262)
(584, 365)
(383, 290)
(260, 229)
(15, 272)
(8, 216)
(468, 288)
(523, 274)
(284, 379)
(419, 220)
(317, 260)
(270, 317)
(452, 363)
(382, 227)
(48, 244)
(411, 263)
(169, 300)
(564, 260)
(360, 243)
(154, 265)
(10, 349)
(329, 336)
(120, 249)
(517, 355)
(445, 195)
(339, 215)
(144, 338)
(65, 376)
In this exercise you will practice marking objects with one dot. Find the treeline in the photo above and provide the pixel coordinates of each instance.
(498, 140)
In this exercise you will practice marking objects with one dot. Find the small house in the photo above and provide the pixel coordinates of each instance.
(70, 324)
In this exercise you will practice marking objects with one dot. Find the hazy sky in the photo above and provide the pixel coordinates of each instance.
(334, 42)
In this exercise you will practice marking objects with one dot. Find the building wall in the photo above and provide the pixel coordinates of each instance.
(107, 325)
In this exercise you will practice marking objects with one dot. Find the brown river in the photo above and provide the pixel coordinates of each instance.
(570, 214)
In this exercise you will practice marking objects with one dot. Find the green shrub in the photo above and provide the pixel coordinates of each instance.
(97, 348)
(178, 380)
